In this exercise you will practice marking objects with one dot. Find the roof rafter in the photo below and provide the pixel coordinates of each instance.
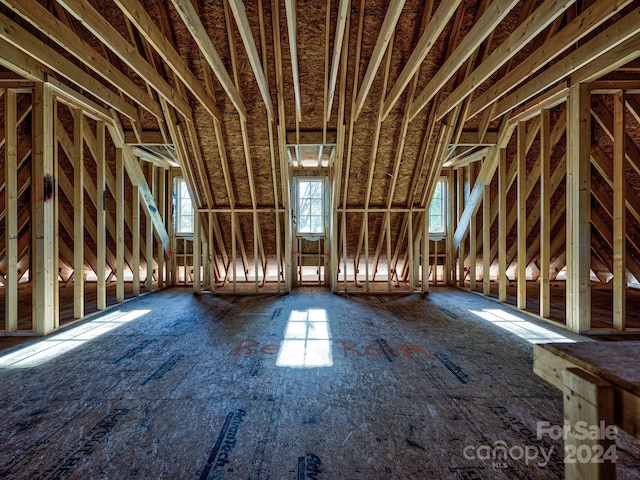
(493, 15)
(384, 37)
(138, 16)
(192, 21)
(337, 48)
(239, 13)
(427, 40)
(544, 15)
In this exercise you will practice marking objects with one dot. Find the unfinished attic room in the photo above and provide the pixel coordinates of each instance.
(320, 239)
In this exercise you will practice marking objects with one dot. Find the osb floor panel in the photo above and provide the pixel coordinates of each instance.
(601, 302)
(177, 386)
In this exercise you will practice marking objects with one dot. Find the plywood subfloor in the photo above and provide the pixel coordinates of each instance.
(177, 386)
(601, 302)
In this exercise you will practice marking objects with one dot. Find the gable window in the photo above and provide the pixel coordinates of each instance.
(310, 207)
(183, 209)
(438, 210)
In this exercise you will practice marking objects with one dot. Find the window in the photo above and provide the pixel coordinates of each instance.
(438, 209)
(310, 203)
(183, 208)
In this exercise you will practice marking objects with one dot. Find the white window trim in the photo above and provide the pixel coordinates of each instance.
(322, 180)
(177, 209)
(444, 209)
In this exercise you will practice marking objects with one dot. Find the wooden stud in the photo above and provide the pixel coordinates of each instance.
(473, 246)
(43, 218)
(197, 254)
(578, 210)
(11, 209)
(619, 213)
(366, 251)
(545, 211)
(101, 208)
(425, 251)
(459, 210)
(502, 226)
(149, 232)
(486, 239)
(119, 233)
(522, 217)
(160, 202)
(410, 250)
(135, 238)
(78, 216)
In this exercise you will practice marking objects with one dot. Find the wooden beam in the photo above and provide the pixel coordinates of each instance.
(578, 210)
(78, 215)
(91, 19)
(619, 213)
(137, 178)
(592, 17)
(475, 139)
(16, 35)
(384, 37)
(237, 7)
(101, 208)
(148, 255)
(522, 217)
(135, 239)
(11, 209)
(118, 235)
(545, 211)
(621, 34)
(486, 237)
(341, 21)
(192, 21)
(43, 218)
(290, 8)
(544, 15)
(136, 13)
(426, 42)
(485, 175)
(502, 226)
(481, 29)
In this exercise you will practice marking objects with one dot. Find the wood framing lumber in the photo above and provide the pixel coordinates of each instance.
(341, 22)
(43, 218)
(544, 15)
(481, 29)
(619, 213)
(20, 38)
(426, 42)
(619, 33)
(592, 17)
(192, 21)
(136, 13)
(384, 37)
(137, 178)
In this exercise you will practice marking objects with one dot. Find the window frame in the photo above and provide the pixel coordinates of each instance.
(444, 204)
(180, 186)
(323, 182)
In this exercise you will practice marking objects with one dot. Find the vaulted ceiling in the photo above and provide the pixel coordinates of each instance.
(401, 86)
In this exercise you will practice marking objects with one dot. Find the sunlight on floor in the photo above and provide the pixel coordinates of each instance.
(307, 340)
(521, 327)
(44, 350)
